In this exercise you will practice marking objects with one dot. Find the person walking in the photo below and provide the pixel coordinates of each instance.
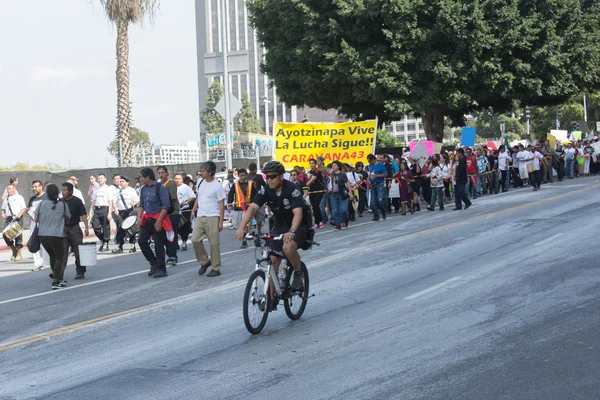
(209, 210)
(186, 198)
(378, 173)
(436, 183)
(153, 221)
(52, 217)
(340, 193)
(126, 199)
(34, 202)
(460, 195)
(73, 234)
(101, 206)
(174, 216)
(13, 208)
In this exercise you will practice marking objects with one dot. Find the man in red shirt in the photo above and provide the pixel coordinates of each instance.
(471, 172)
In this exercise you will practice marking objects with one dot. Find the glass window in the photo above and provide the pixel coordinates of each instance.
(411, 127)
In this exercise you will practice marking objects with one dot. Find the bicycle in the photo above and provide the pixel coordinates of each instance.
(257, 296)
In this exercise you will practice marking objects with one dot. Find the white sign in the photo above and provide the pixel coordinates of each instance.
(598, 126)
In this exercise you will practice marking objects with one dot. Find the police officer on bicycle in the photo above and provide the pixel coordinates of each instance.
(289, 214)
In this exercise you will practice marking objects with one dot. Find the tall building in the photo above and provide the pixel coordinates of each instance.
(241, 36)
(407, 129)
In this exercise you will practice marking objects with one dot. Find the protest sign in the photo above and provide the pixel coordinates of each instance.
(551, 139)
(348, 142)
(428, 145)
(468, 136)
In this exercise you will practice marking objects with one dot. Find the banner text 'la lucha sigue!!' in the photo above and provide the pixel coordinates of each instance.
(348, 142)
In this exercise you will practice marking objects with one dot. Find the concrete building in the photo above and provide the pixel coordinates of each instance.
(407, 129)
(241, 36)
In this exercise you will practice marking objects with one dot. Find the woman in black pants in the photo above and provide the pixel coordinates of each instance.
(362, 187)
(316, 190)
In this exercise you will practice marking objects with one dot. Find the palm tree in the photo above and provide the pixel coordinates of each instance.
(121, 13)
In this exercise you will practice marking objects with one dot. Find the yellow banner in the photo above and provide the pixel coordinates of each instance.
(347, 142)
(551, 139)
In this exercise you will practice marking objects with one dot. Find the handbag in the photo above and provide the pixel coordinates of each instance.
(530, 168)
(33, 243)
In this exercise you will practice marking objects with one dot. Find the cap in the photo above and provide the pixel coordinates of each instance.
(126, 179)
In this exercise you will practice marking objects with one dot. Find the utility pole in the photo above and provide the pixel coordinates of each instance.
(228, 126)
(584, 108)
(558, 115)
(528, 116)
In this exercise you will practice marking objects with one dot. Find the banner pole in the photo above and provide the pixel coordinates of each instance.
(375, 136)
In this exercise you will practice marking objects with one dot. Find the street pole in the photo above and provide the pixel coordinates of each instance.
(228, 135)
(528, 134)
(584, 108)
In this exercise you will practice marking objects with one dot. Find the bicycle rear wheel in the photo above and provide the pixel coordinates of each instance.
(295, 302)
(256, 303)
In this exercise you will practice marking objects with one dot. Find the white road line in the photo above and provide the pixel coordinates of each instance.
(551, 238)
(434, 287)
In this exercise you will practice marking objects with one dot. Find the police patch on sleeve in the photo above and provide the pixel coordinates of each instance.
(262, 190)
(296, 193)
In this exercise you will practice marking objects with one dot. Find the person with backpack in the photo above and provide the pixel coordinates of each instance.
(317, 189)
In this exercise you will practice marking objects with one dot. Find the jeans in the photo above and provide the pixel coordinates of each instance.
(460, 196)
(74, 240)
(569, 168)
(377, 202)
(160, 238)
(481, 184)
(437, 193)
(174, 245)
(505, 180)
(560, 169)
(55, 246)
(339, 209)
(315, 201)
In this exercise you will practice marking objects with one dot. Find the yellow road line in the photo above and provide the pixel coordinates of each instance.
(80, 325)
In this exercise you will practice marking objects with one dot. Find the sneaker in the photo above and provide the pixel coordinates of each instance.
(51, 275)
(297, 282)
(62, 283)
(315, 226)
(231, 228)
(40, 268)
(384, 215)
(321, 224)
(345, 225)
(152, 270)
(244, 245)
(213, 272)
(172, 261)
(101, 248)
(184, 247)
(467, 206)
(79, 275)
(337, 228)
(203, 268)
(55, 285)
(132, 250)
(118, 251)
(360, 215)
(375, 219)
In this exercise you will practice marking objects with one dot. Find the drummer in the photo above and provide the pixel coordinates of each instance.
(13, 208)
(125, 199)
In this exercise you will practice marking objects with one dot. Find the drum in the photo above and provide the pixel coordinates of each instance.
(130, 225)
(12, 230)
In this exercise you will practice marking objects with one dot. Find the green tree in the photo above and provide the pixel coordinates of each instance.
(139, 139)
(248, 123)
(122, 13)
(386, 140)
(211, 120)
(433, 57)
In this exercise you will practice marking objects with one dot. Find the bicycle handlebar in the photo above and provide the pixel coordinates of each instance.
(265, 236)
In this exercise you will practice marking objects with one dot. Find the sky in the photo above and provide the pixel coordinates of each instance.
(58, 88)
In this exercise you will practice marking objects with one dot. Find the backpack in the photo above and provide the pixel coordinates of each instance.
(171, 209)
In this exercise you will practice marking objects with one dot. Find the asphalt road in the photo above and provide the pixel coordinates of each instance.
(495, 302)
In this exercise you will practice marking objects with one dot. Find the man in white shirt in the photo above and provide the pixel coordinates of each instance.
(34, 202)
(209, 209)
(186, 198)
(570, 161)
(13, 208)
(524, 158)
(76, 192)
(101, 207)
(536, 175)
(125, 199)
(504, 159)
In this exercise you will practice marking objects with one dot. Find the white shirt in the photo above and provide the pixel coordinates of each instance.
(227, 187)
(351, 178)
(209, 196)
(102, 195)
(537, 156)
(444, 168)
(184, 193)
(569, 153)
(522, 156)
(16, 202)
(77, 193)
(503, 161)
(130, 196)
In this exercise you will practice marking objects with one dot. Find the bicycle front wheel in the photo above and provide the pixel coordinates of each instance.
(256, 303)
(295, 302)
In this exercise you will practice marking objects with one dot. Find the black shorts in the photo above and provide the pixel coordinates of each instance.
(277, 245)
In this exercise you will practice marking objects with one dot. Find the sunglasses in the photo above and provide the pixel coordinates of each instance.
(271, 177)
(198, 174)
